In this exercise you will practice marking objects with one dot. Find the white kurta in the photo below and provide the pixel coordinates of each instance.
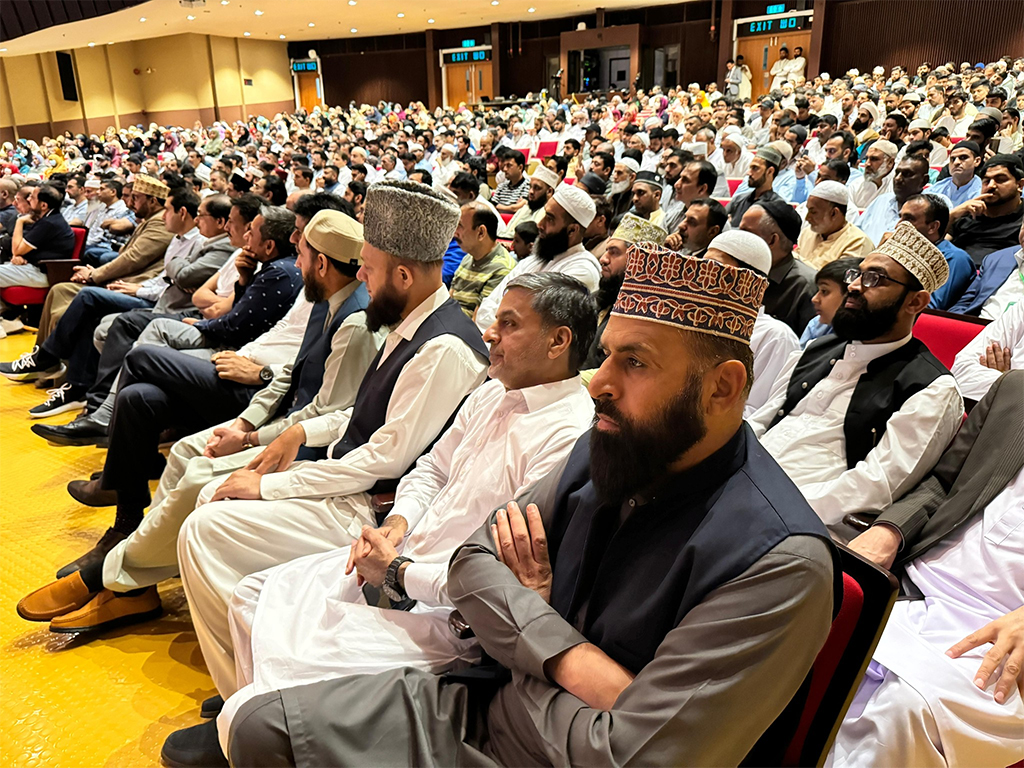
(1009, 293)
(772, 343)
(319, 506)
(810, 443)
(576, 262)
(304, 621)
(975, 379)
(920, 707)
(863, 192)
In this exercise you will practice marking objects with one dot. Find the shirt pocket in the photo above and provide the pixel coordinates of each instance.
(1007, 529)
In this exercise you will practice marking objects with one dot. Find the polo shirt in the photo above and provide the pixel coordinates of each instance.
(51, 238)
(984, 235)
(474, 280)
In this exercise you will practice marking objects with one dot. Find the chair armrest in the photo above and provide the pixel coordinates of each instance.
(859, 521)
(382, 503)
(459, 627)
(59, 270)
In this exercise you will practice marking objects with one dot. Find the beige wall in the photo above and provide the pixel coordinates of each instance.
(180, 79)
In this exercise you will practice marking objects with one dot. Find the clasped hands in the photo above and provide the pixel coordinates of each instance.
(245, 483)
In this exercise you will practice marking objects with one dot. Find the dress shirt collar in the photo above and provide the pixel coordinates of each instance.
(408, 327)
(865, 353)
(542, 395)
(189, 236)
(779, 272)
(336, 299)
(1019, 256)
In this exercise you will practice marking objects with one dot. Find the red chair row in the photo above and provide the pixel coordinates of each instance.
(57, 271)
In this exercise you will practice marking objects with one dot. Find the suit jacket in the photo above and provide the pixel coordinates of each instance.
(141, 257)
(983, 458)
(995, 268)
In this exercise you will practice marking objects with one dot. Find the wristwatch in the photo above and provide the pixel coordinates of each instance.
(391, 586)
(266, 374)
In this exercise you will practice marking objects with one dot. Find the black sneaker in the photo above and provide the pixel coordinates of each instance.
(66, 397)
(25, 368)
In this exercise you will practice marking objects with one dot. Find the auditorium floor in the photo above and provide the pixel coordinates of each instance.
(67, 703)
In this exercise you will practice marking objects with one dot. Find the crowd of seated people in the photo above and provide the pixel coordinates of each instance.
(485, 457)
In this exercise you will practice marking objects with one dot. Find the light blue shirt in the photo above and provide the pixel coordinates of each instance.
(957, 195)
(75, 210)
(881, 216)
(815, 330)
(961, 273)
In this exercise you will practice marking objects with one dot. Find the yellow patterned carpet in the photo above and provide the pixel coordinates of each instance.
(64, 702)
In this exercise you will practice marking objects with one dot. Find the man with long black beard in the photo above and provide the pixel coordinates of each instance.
(558, 248)
(632, 229)
(859, 417)
(543, 183)
(630, 622)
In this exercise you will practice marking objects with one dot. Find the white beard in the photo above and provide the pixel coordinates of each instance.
(618, 187)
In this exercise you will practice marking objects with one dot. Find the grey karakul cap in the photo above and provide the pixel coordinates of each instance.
(409, 220)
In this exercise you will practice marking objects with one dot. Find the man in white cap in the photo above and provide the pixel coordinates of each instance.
(771, 341)
(909, 179)
(864, 124)
(829, 236)
(543, 183)
(761, 174)
(620, 190)
(879, 161)
(558, 248)
(921, 130)
(859, 417)
(735, 155)
(444, 167)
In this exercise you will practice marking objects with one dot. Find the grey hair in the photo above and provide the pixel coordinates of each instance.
(278, 225)
(563, 300)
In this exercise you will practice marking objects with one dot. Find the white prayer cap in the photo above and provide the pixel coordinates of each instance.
(630, 163)
(256, 172)
(415, 147)
(833, 191)
(448, 148)
(645, 139)
(577, 203)
(871, 109)
(92, 183)
(733, 134)
(886, 147)
(203, 173)
(879, 70)
(694, 85)
(650, 122)
(746, 247)
(924, 125)
(544, 174)
(825, 76)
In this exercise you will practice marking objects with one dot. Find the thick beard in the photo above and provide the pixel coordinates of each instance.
(618, 187)
(860, 125)
(313, 291)
(385, 307)
(864, 324)
(638, 454)
(547, 247)
(608, 290)
(536, 205)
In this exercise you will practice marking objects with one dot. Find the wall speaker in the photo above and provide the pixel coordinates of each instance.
(66, 69)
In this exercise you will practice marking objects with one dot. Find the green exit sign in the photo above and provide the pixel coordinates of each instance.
(778, 8)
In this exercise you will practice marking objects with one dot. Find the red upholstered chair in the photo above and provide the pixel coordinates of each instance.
(526, 154)
(57, 271)
(733, 184)
(803, 734)
(946, 333)
(507, 217)
(546, 149)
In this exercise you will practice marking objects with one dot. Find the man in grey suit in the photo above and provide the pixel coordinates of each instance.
(957, 542)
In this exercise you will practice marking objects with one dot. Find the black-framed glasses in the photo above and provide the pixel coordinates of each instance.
(870, 279)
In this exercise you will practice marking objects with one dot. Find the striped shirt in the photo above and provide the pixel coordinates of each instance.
(474, 280)
(507, 194)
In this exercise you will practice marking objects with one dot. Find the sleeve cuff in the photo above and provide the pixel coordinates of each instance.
(543, 639)
(421, 580)
(275, 486)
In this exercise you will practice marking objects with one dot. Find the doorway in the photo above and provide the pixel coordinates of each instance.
(759, 53)
(470, 83)
(309, 90)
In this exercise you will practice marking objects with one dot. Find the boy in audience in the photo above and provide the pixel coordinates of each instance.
(831, 284)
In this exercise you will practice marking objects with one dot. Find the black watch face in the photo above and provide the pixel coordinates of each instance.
(266, 374)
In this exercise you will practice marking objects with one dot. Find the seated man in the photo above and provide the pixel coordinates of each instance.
(859, 417)
(997, 349)
(882, 215)
(647, 506)
(432, 359)
(39, 235)
(999, 284)
(932, 697)
(647, 189)
(543, 184)
(829, 236)
(325, 376)
(486, 261)
(702, 221)
(104, 234)
(992, 220)
(509, 434)
(559, 247)
(963, 183)
(929, 214)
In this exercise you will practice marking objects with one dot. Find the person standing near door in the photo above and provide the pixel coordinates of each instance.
(780, 69)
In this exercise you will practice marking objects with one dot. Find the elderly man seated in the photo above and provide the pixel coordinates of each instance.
(621, 590)
(861, 416)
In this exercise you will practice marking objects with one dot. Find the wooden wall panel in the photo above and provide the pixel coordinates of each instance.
(369, 77)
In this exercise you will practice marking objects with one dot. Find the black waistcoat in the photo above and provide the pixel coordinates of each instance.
(881, 390)
(371, 406)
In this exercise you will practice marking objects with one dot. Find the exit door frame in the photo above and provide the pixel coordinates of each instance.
(440, 58)
(319, 81)
(747, 19)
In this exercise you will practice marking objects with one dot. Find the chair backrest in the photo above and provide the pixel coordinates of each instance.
(733, 184)
(526, 154)
(506, 217)
(546, 149)
(803, 734)
(945, 333)
(80, 233)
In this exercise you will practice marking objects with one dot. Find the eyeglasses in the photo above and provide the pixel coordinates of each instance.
(870, 279)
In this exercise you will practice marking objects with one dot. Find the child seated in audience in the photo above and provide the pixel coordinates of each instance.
(831, 282)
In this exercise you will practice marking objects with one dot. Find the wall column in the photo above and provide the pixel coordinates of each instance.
(113, 91)
(817, 35)
(433, 73)
(495, 61)
(724, 27)
(46, 96)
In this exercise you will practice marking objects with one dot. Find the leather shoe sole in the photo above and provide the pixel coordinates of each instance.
(55, 599)
(109, 610)
(62, 435)
(88, 492)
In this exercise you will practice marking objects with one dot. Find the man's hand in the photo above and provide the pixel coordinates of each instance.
(28, 218)
(81, 274)
(234, 367)
(524, 550)
(975, 208)
(189, 320)
(879, 544)
(996, 357)
(245, 263)
(281, 452)
(105, 224)
(804, 166)
(370, 557)
(1007, 637)
(241, 484)
(227, 441)
(674, 241)
(120, 286)
(18, 260)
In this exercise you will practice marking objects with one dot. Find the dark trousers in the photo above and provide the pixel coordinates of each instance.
(161, 388)
(71, 340)
(98, 255)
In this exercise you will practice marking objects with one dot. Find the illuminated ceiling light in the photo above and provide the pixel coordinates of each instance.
(3, 50)
(247, 33)
(494, 2)
(351, 2)
(430, 21)
(531, 10)
(190, 17)
(92, 45)
(311, 24)
(258, 12)
(142, 19)
(281, 36)
(353, 30)
(225, 2)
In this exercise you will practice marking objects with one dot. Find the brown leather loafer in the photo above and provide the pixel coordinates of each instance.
(109, 540)
(55, 599)
(109, 610)
(88, 492)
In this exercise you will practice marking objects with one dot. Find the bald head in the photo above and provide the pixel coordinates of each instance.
(8, 189)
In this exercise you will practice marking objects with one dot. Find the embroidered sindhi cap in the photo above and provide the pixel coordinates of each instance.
(633, 229)
(409, 220)
(917, 254)
(148, 185)
(692, 294)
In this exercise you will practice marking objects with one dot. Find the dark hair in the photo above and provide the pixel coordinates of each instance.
(899, 118)
(603, 207)
(572, 143)
(358, 189)
(185, 198)
(685, 156)
(706, 174)
(986, 126)
(800, 102)
(115, 185)
(484, 217)
(465, 182)
(836, 270)
(275, 187)
(921, 162)
(278, 224)
(560, 300)
(607, 159)
(49, 194)
(938, 210)
(717, 215)
(425, 176)
(359, 168)
(561, 163)
(528, 231)
(248, 205)
(920, 145)
(636, 154)
(849, 142)
(517, 157)
(309, 206)
(135, 157)
(828, 119)
(218, 206)
(78, 178)
(710, 351)
(305, 171)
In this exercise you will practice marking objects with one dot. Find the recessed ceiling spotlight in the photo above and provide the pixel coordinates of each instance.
(494, 2)
(351, 2)
(3, 50)
(281, 36)
(531, 10)
(247, 33)
(92, 45)
(311, 24)
(225, 2)
(430, 21)
(142, 19)
(401, 15)
(190, 17)
(353, 30)
(258, 12)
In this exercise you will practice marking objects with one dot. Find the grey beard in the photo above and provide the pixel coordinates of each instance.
(618, 187)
